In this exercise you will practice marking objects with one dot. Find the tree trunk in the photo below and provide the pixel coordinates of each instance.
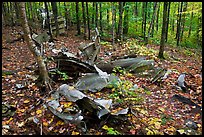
(190, 28)
(151, 27)
(145, 22)
(48, 20)
(119, 35)
(163, 35)
(87, 15)
(84, 19)
(11, 14)
(101, 25)
(54, 9)
(126, 20)
(96, 17)
(167, 25)
(93, 11)
(77, 17)
(27, 36)
(136, 9)
(157, 20)
(173, 20)
(179, 26)
(113, 25)
(183, 20)
(66, 15)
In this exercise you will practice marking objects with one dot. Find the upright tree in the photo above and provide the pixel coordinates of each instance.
(44, 78)
(88, 24)
(151, 27)
(190, 27)
(163, 35)
(100, 9)
(119, 35)
(113, 25)
(96, 17)
(126, 18)
(183, 19)
(54, 9)
(167, 24)
(48, 21)
(178, 32)
(84, 19)
(157, 20)
(77, 19)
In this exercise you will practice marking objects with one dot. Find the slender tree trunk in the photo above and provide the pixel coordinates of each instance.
(77, 17)
(179, 26)
(84, 19)
(163, 35)
(190, 28)
(177, 21)
(136, 9)
(11, 14)
(173, 20)
(54, 8)
(157, 20)
(183, 20)
(167, 25)
(66, 15)
(143, 14)
(96, 19)
(151, 27)
(93, 11)
(101, 25)
(126, 20)
(119, 35)
(87, 15)
(145, 23)
(27, 35)
(113, 25)
(48, 20)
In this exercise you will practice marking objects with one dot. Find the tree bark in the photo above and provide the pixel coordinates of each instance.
(113, 26)
(183, 20)
(190, 28)
(84, 19)
(126, 20)
(101, 25)
(167, 24)
(77, 17)
(87, 14)
(48, 20)
(157, 20)
(163, 35)
(96, 17)
(152, 21)
(93, 11)
(27, 36)
(54, 8)
(145, 22)
(66, 15)
(120, 28)
(179, 26)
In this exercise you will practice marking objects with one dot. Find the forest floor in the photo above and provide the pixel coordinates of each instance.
(156, 114)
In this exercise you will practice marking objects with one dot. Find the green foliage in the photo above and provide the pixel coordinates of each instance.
(62, 74)
(110, 130)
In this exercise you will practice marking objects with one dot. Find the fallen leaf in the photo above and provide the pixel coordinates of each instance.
(75, 133)
(38, 112)
(26, 101)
